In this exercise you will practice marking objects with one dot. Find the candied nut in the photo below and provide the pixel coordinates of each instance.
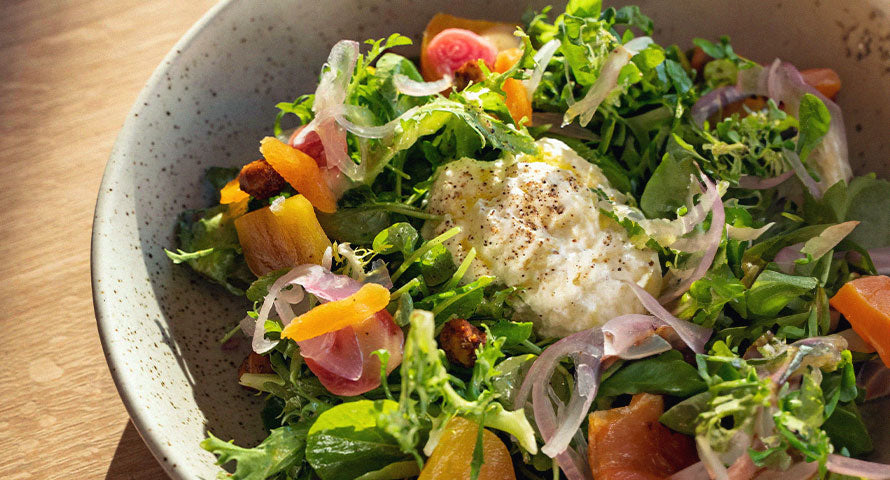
(466, 74)
(255, 363)
(260, 180)
(459, 339)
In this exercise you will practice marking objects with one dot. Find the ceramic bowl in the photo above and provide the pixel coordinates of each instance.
(213, 97)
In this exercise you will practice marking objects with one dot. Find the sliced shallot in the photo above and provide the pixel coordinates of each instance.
(413, 88)
(558, 426)
(716, 100)
(542, 59)
(751, 182)
(694, 336)
(710, 241)
(605, 82)
(857, 468)
(874, 377)
(801, 171)
(328, 103)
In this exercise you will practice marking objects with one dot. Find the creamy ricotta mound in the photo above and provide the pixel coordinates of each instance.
(534, 224)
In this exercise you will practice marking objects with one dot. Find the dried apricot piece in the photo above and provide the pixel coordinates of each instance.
(332, 316)
(232, 193)
(300, 171)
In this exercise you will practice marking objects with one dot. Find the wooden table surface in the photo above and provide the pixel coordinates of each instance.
(69, 72)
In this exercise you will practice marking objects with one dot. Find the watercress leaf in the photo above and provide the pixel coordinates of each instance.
(651, 57)
(678, 76)
(683, 416)
(666, 374)
(460, 302)
(179, 256)
(218, 177)
(847, 430)
(282, 450)
(711, 49)
(388, 66)
(399, 237)
(772, 291)
(814, 119)
(509, 378)
(631, 16)
(393, 471)
(668, 187)
(437, 265)
(868, 201)
(301, 107)
(345, 442)
(211, 238)
(260, 287)
(629, 74)
(403, 311)
(707, 297)
(720, 72)
(358, 226)
(513, 333)
(584, 8)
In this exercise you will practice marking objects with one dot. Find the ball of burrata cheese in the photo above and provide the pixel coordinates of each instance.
(534, 224)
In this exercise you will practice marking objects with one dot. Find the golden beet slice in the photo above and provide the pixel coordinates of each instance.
(287, 236)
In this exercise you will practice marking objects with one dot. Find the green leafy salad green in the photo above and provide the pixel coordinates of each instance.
(729, 177)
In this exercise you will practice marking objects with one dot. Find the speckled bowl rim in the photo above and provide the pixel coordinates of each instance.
(166, 455)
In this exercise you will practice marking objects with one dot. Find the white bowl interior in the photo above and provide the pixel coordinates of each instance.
(213, 98)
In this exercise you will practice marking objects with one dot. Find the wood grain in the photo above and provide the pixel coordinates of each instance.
(69, 73)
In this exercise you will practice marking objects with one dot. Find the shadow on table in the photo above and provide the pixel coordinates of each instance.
(132, 459)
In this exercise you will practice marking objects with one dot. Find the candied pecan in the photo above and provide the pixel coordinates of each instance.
(459, 338)
(466, 74)
(260, 180)
(255, 363)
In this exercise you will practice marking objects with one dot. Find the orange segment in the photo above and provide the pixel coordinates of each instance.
(517, 98)
(452, 457)
(332, 316)
(825, 80)
(232, 193)
(300, 171)
(518, 103)
(865, 303)
(498, 33)
(628, 443)
(286, 237)
(506, 59)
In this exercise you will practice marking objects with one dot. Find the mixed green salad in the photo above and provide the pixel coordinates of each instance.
(553, 249)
